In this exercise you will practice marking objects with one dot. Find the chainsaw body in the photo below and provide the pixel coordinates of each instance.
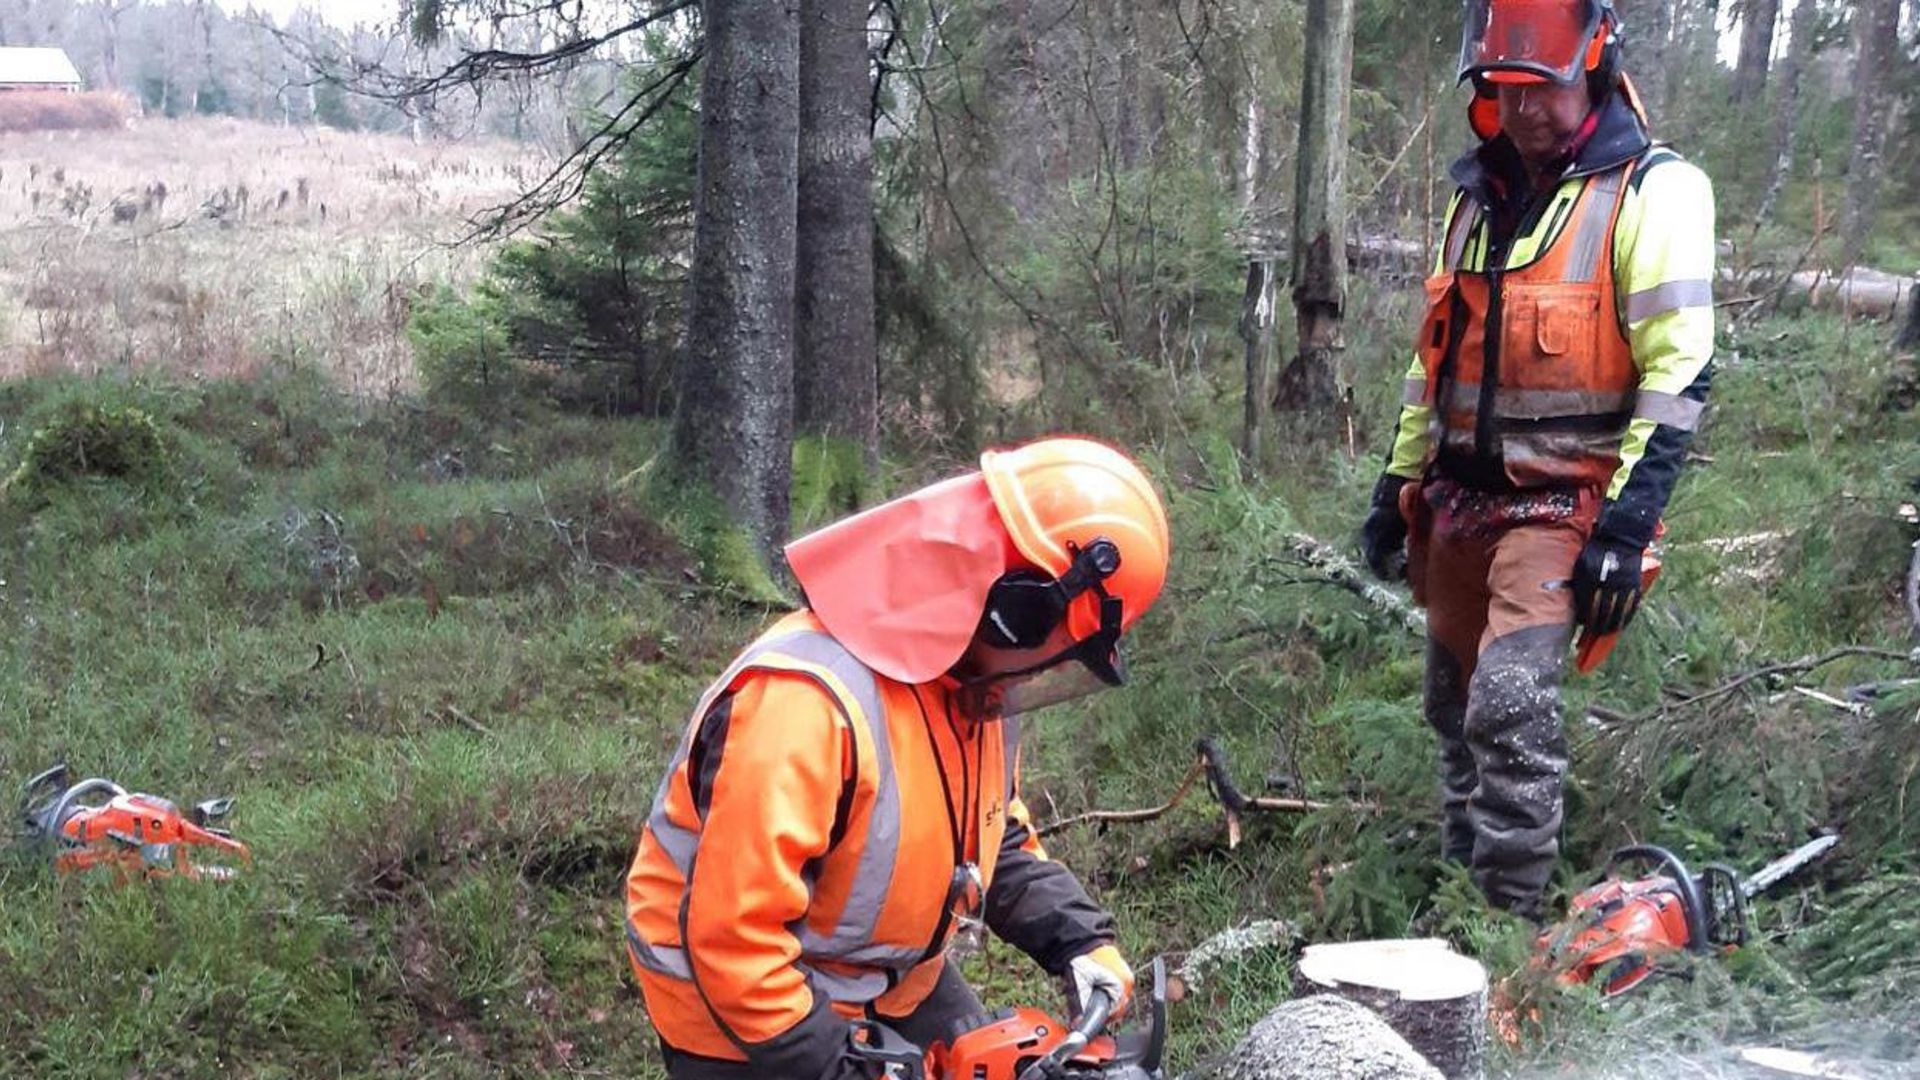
(98, 823)
(1029, 1044)
(1618, 930)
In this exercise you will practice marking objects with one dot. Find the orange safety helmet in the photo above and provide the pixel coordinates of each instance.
(1536, 41)
(1062, 531)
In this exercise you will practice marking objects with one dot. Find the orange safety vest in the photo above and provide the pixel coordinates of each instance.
(1531, 363)
(877, 917)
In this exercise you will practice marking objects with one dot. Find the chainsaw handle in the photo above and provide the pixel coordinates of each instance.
(1093, 1019)
(1691, 903)
(72, 796)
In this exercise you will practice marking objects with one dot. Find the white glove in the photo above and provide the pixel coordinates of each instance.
(1102, 969)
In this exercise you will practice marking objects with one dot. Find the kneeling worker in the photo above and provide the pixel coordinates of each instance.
(847, 794)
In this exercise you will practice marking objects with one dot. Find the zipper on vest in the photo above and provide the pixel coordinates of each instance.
(1484, 457)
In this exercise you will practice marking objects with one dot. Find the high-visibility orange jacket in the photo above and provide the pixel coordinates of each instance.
(799, 863)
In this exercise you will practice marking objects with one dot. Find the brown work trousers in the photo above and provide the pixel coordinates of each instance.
(1493, 570)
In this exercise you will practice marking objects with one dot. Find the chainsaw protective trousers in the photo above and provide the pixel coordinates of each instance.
(1493, 569)
(939, 1016)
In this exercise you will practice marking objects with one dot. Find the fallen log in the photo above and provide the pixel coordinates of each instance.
(1322, 1038)
(1434, 997)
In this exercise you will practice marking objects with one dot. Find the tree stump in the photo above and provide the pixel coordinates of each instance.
(1431, 995)
(1322, 1038)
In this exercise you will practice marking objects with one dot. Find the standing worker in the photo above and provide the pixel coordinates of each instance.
(847, 794)
(1560, 371)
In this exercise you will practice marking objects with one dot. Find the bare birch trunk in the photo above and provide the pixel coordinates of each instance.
(734, 426)
(1319, 271)
(835, 366)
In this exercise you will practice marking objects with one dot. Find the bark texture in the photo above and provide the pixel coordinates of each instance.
(1320, 213)
(1324, 1038)
(734, 428)
(1647, 29)
(1876, 39)
(1910, 333)
(835, 367)
(1431, 996)
(1757, 20)
(1786, 102)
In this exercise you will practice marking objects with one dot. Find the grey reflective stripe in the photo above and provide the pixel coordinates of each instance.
(873, 878)
(858, 689)
(659, 959)
(858, 989)
(1546, 404)
(1596, 226)
(1667, 297)
(1414, 393)
(1465, 217)
(1464, 398)
(1670, 409)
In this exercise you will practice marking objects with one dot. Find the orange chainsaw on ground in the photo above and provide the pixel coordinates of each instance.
(1027, 1044)
(99, 823)
(1617, 931)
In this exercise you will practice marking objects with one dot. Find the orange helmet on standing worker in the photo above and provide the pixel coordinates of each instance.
(1537, 41)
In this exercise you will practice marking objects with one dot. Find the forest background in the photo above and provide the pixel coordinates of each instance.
(409, 462)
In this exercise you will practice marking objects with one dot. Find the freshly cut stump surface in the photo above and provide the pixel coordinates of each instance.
(1434, 997)
(1324, 1038)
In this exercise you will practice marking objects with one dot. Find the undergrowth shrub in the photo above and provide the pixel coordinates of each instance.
(89, 439)
(463, 352)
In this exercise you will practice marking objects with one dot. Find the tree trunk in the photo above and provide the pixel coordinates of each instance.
(1434, 997)
(734, 426)
(1320, 215)
(1910, 333)
(1757, 21)
(1786, 104)
(1876, 36)
(1319, 1037)
(835, 375)
(1649, 26)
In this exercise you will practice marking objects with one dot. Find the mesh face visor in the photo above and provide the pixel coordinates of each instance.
(1075, 671)
(1528, 40)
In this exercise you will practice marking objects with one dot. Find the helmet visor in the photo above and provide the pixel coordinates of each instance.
(1528, 40)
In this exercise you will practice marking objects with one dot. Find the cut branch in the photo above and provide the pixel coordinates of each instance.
(1787, 667)
(1212, 764)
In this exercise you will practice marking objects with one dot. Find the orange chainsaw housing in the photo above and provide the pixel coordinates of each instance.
(1003, 1048)
(1617, 931)
(142, 835)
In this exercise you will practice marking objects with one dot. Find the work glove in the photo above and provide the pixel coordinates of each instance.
(1102, 969)
(1606, 584)
(1383, 536)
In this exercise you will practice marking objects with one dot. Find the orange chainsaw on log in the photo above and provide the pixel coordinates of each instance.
(1617, 931)
(1027, 1044)
(99, 823)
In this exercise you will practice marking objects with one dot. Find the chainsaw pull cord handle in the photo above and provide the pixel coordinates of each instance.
(1691, 903)
(1092, 1020)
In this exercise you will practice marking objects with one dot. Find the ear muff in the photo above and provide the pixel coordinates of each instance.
(1025, 607)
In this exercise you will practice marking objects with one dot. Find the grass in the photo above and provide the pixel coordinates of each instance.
(440, 659)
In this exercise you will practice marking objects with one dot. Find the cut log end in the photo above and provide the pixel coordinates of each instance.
(1434, 997)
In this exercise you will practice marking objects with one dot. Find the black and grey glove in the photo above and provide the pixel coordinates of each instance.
(1606, 584)
(1383, 536)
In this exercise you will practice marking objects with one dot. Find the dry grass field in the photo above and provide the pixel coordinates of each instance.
(213, 246)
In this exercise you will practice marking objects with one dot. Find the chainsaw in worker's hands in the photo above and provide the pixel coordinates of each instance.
(1028, 1044)
(1618, 930)
(99, 823)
